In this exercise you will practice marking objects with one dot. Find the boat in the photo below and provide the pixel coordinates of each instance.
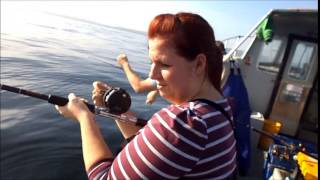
(278, 59)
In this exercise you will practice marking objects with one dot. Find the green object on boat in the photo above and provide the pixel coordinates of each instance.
(264, 31)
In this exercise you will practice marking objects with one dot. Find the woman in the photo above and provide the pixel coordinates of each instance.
(189, 139)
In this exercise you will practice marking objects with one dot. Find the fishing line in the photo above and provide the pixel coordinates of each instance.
(109, 63)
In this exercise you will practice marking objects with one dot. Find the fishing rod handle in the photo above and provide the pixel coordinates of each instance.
(136, 120)
(61, 101)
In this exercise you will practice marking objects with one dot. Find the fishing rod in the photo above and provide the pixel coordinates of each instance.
(117, 102)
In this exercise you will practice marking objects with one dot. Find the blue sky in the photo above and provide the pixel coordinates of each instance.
(228, 18)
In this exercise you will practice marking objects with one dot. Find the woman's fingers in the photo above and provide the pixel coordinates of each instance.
(99, 88)
(100, 85)
(84, 100)
(58, 108)
(71, 96)
(97, 98)
(75, 109)
(62, 109)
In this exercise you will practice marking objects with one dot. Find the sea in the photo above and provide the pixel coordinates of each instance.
(56, 54)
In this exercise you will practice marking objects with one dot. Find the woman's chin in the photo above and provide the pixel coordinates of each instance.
(161, 93)
(167, 97)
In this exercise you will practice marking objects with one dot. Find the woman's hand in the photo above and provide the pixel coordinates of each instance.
(76, 109)
(122, 59)
(99, 88)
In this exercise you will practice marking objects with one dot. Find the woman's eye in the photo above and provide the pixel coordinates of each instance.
(164, 65)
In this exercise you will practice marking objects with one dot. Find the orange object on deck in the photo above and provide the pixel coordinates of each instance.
(272, 127)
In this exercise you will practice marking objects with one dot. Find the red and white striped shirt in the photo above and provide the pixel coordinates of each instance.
(189, 141)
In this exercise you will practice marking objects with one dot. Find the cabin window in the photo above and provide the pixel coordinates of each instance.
(270, 55)
(301, 61)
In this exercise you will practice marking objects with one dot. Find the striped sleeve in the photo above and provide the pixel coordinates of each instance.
(168, 147)
(100, 169)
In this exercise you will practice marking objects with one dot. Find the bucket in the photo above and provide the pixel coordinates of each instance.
(272, 127)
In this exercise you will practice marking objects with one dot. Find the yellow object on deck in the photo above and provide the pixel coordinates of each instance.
(272, 127)
(308, 166)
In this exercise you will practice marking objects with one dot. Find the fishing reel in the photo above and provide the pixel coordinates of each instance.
(116, 100)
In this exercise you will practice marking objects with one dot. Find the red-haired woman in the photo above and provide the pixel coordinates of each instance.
(190, 139)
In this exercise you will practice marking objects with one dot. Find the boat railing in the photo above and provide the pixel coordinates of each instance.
(248, 35)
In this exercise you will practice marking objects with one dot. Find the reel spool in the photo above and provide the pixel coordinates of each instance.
(117, 100)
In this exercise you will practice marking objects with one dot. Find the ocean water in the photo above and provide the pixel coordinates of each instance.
(57, 55)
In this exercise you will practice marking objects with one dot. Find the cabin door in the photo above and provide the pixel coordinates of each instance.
(294, 82)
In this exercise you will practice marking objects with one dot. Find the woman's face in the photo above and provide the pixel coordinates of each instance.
(175, 75)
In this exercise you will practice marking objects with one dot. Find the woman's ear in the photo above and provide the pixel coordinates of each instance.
(200, 63)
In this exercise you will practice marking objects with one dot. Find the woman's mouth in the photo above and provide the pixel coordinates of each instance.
(159, 86)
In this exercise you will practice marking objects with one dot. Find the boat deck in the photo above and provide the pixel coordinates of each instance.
(256, 169)
(257, 154)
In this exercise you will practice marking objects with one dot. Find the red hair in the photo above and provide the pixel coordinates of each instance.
(191, 35)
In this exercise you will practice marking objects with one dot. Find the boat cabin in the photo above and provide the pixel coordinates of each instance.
(278, 59)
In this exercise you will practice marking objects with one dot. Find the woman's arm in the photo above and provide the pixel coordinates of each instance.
(93, 145)
(127, 129)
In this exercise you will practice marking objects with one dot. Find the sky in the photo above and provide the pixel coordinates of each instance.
(228, 18)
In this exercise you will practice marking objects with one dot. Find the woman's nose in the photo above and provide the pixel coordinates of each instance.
(154, 72)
